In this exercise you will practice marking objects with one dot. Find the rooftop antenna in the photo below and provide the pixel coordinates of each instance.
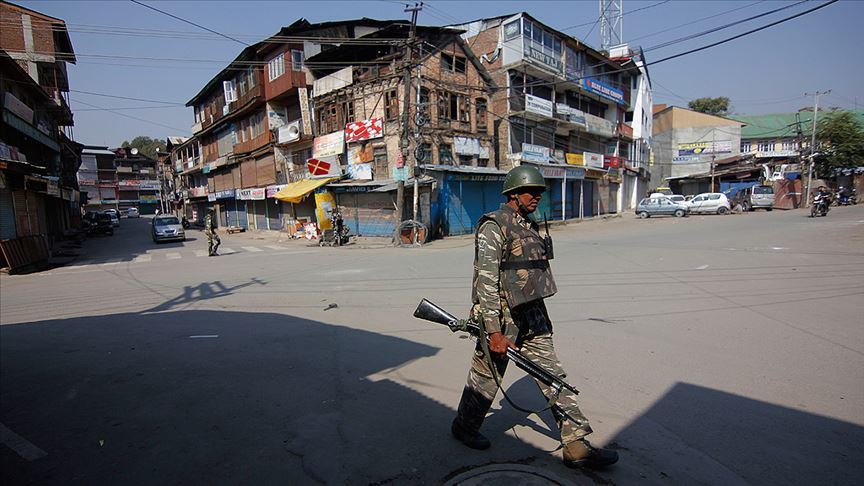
(611, 23)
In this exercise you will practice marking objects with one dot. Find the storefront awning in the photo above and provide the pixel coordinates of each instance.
(296, 191)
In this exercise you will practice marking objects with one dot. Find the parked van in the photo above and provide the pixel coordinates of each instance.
(755, 197)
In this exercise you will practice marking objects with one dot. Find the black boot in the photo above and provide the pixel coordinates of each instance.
(581, 453)
(466, 426)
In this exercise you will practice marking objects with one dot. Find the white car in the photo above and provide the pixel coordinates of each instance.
(132, 213)
(709, 203)
(677, 198)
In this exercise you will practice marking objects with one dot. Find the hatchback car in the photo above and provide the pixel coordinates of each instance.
(115, 217)
(710, 203)
(167, 228)
(132, 213)
(656, 206)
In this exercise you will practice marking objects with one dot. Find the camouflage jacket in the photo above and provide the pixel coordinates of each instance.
(510, 271)
(209, 227)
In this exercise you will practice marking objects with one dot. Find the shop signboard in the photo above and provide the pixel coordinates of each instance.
(211, 197)
(466, 146)
(599, 126)
(147, 199)
(612, 162)
(226, 194)
(625, 130)
(271, 191)
(400, 173)
(561, 172)
(537, 56)
(593, 160)
(329, 145)
(360, 154)
(364, 130)
(251, 194)
(303, 98)
(325, 166)
(574, 159)
(540, 106)
(360, 172)
(535, 153)
(594, 86)
(696, 148)
(18, 107)
(150, 186)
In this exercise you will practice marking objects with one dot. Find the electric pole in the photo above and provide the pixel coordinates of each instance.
(713, 156)
(816, 96)
(406, 108)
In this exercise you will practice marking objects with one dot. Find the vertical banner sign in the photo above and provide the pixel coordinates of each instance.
(324, 203)
(303, 95)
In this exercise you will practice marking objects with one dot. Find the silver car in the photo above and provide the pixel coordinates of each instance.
(660, 205)
(167, 228)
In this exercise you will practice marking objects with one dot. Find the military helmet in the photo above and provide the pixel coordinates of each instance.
(522, 177)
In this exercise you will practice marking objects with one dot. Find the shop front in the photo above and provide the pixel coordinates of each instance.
(464, 194)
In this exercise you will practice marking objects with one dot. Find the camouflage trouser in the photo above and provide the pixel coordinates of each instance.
(213, 242)
(481, 389)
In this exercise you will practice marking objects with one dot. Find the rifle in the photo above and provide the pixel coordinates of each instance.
(431, 312)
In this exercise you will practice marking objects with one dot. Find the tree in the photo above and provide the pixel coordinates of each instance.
(146, 146)
(840, 138)
(711, 106)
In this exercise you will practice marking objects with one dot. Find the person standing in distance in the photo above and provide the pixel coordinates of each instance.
(213, 240)
(511, 280)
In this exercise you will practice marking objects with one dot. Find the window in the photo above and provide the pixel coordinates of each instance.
(347, 112)
(443, 105)
(230, 91)
(790, 145)
(276, 67)
(466, 160)
(241, 84)
(481, 114)
(511, 30)
(464, 109)
(765, 146)
(746, 147)
(297, 60)
(453, 63)
(250, 78)
(445, 154)
(391, 104)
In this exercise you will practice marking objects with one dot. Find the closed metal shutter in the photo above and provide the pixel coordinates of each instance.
(22, 216)
(266, 171)
(7, 215)
(274, 213)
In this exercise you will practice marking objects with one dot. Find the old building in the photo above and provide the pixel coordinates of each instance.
(38, 160)
(253, 127)
(689, 143)
(138, 184)
(97, 178)
(359, 102)
(562, 107)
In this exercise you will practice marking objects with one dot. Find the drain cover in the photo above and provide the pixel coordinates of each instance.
(509, 474)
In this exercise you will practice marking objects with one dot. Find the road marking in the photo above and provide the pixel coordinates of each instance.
(251, 248)
(173, 256)
(276, 247)
(113, 261)
(143, 258)
(204, 336)
(20, 445)
(200, 253)
(703, 267)
(225, 250)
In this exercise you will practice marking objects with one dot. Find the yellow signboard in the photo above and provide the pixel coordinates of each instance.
(324, 204)
(575, 159)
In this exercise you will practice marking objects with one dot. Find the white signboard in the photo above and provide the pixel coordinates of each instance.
(535, 153)
(360, 172)
(329, 145)
(538, 105)
(593, 160)
(466, 146)
(332, 82)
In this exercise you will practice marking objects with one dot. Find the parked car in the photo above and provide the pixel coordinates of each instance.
(710, 203)
(166, 228)
(132, 213)
(660, 205)
(95, 222)
(115, 217)
(678, 198)
(755, 197)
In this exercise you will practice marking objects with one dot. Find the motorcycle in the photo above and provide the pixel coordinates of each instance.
(185, 223)
(338, 236)
(820, 205)
(846, 199)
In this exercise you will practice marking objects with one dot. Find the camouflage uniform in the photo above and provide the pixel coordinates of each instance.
(511, 279)
(213, 240)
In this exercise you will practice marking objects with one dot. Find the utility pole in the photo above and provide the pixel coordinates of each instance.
(406, 108)
(713, 156)
(816, 96)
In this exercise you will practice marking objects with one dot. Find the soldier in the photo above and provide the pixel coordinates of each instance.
(511, 279)
(213, 240)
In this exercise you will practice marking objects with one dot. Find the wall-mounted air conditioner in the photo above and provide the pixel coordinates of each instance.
(290, 132)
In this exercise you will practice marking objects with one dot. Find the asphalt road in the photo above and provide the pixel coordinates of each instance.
(709, 350)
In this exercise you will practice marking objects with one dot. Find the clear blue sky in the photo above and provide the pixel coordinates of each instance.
(766, 72)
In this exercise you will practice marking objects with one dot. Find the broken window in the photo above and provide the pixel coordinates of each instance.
(443, 105)
(452, 63)
(481, 113)
(348, 112)
(391, 103)
(464, 109)
(445, 154)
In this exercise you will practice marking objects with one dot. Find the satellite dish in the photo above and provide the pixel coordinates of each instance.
(134, 151)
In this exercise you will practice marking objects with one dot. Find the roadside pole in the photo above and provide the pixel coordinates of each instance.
(816, 96)
(406, 119)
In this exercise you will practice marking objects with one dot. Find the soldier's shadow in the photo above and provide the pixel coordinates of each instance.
(525, 393)
(201, 292)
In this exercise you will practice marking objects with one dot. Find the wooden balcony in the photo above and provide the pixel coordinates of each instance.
(283, 84)
(246, 98)
(255, 143)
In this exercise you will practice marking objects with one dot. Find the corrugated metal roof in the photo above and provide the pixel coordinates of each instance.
(781, 125)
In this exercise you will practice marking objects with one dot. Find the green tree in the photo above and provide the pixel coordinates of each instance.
(711, 106)
(146, 146)
(840, 141)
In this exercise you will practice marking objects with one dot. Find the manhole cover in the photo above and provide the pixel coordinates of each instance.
(509, 474)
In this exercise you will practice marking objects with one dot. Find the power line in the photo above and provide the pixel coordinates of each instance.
(125, 97)
(681, 26)
(130, 116)
(187, 21)
(625, 13)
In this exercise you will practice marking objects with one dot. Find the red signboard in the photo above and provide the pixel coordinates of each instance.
(625, 130)
(364, 130)
(611, 161)
(318, 167)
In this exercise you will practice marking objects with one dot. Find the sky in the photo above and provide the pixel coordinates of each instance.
(128, 50)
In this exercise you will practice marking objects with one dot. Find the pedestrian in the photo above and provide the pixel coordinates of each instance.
(213, 240)
(511, 280)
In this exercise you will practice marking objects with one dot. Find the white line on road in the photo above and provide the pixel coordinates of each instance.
(703, 267)
(251, 248)
(143, 258)
(225, 250)
(200, 253)
(173, 256)
(276, 247)
(20, 445)
(204, 336)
